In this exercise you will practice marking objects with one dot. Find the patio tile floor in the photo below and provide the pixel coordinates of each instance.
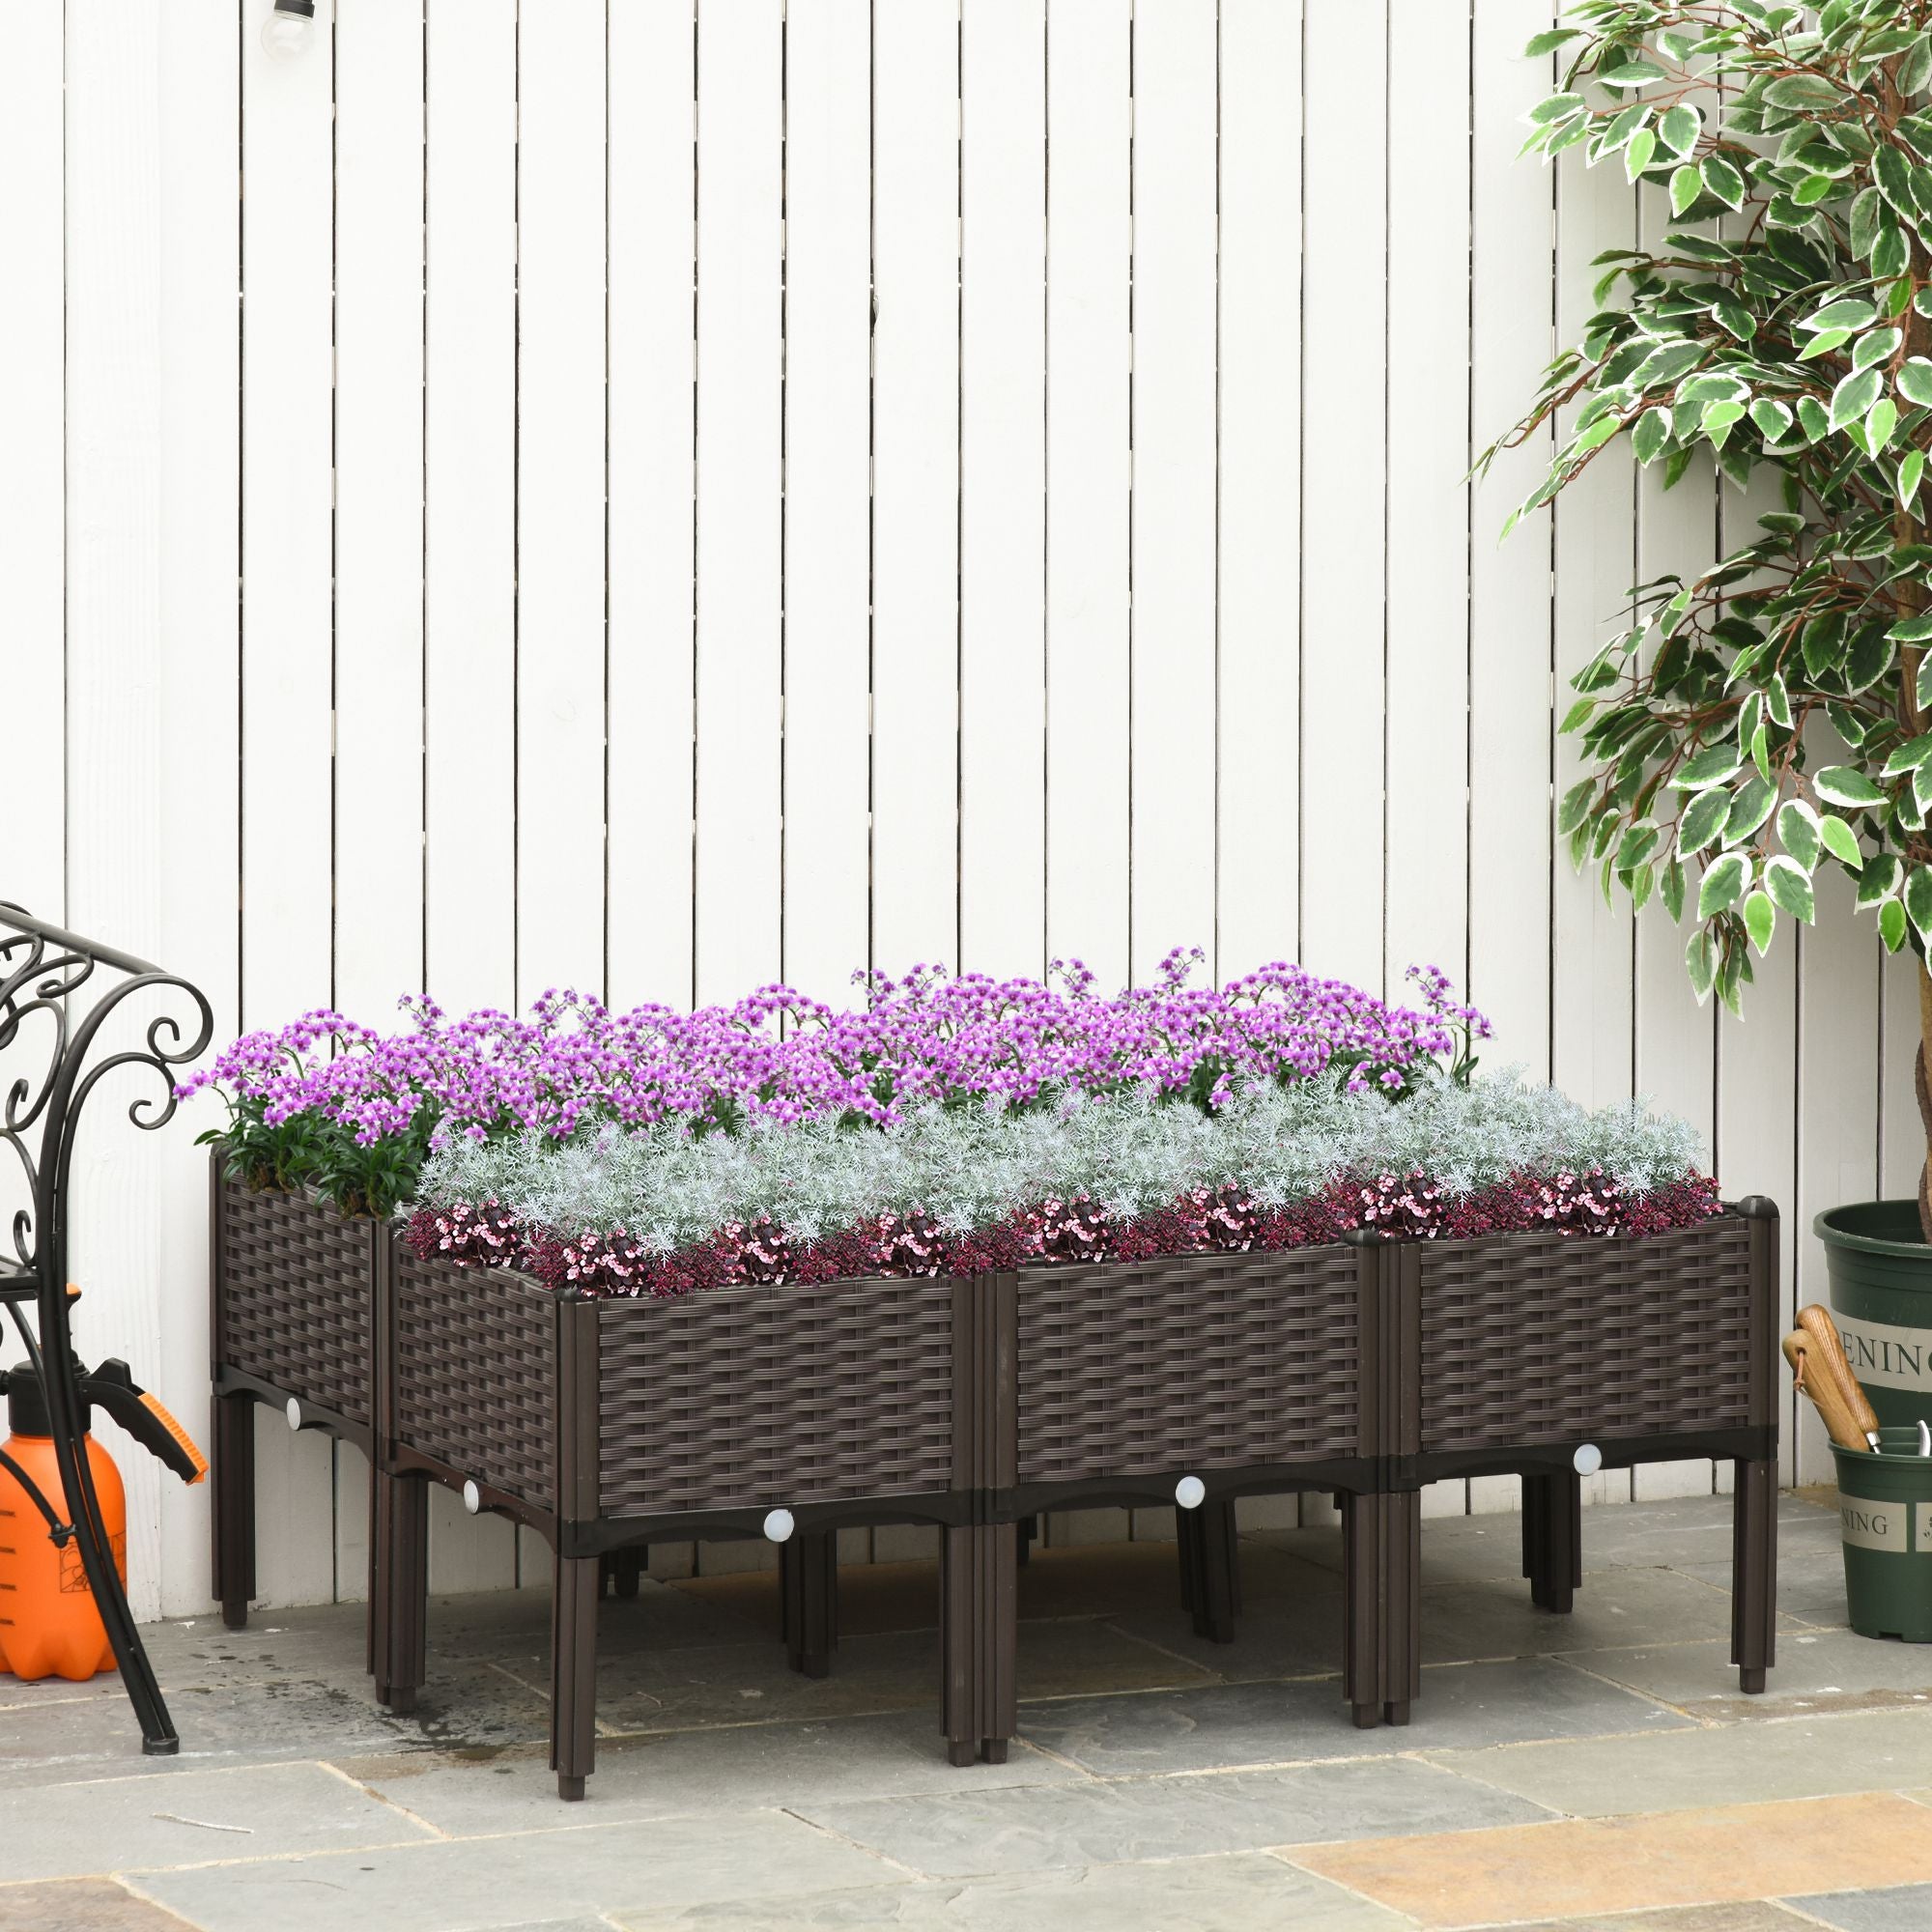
(1600, 1773)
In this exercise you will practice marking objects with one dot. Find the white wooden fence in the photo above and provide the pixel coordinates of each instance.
(730, 489)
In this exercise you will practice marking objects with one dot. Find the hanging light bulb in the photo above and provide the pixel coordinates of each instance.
(289, 29)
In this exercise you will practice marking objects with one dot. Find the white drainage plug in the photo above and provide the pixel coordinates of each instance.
(473, 1497)
(778, 1525)
(295, 1413)
(1588, 1460)
(1190, 1493)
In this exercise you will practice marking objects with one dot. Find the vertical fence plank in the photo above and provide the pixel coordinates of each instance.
(826, 491)
(1510, 810)
(915, 482)
(1174, 304)
(472, 739)
(200, 474)
(560, 442)
(1901, 1133)
(653, 358)
(1088, 251)
(379, 561)
(1428, 636)
(1592, 1022)
(31, 462)
(115, 674)
(1003, 190)
(1344, 419)
(469, 414)
(1258, 756)
(740, 487)
(287, 672)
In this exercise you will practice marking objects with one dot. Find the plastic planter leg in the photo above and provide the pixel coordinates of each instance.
(1364, 1652)
(572, 1685)
(979, 1603)
(1552, 1539)
(809, 1592)
(234, 1539)
(1754, 1572)
(1216, 1573)
(399, 1609)
(1402, 1605)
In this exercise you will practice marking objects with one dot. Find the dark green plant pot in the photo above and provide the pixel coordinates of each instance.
(1885, 1509)
(1882, 1301)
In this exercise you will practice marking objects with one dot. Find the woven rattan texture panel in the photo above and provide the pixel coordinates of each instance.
(1535, 1338)
(476, 1372)
(1205, 1361)
(296, 1298)
(751, 1395)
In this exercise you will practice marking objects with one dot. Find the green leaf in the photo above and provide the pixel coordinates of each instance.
(1811, 417)
(1702, 820)
(1912, 754)
(1723, 180)
(1720, 418)
(1631, 73)
(1777, 703)
(1848, 312)
(1716, 765)
(1918, 899)
(1841, 841)
(1813, 189)
(1915, 381)
(1910, 630)
(1864, 221)
(1824, 343)
(1868, 658)
(1798, 831)
(1888, 254)
(1679, 129)
(1892, 924)
(1911, 469)
(1760, 915)
(1652, 432)
(1921, 685)
(1879, 422)
(1671, 890)
(1854, 396)
(1750, 805)
(1575, 807)
(1700, 961)
(1893, 174)
(1772, 417)
(1841, 784)
(1736, 318)
(1877, 346)
(1685, 185)
(1554, 108)
(1548, 41)
(1879, 877)
(1803, 92)
(1790, 884)
(1724, 883)
(1637, 156)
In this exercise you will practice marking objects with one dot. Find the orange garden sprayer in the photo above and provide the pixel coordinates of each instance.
(48, 1624)
(59, 1041)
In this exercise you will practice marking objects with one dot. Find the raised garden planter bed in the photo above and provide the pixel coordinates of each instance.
(291, 1325)
(1541, 1356)
(604, 1424)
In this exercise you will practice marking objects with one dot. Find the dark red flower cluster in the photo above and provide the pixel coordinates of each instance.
(1204, 1221)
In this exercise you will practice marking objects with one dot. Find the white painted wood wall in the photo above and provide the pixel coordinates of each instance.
(730, 489)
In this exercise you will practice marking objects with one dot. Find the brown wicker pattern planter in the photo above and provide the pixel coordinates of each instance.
(1198, 1362)
(295, 1282)
(1537, 1339)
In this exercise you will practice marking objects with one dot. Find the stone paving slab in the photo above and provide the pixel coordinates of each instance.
(1903, 1908)
(1226, 1726)
(1241, 1892)
(1576, 1866)
(741, 1767)
(1816, 1671)
(1614, 1608)
(470, 1883)
(963, 1834)
(1757, 1916)
(82, 1905)
(1805, 1758)
(255, 1811)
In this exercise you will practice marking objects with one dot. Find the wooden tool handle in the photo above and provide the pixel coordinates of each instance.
(1827, 1351)
(1818, 1382)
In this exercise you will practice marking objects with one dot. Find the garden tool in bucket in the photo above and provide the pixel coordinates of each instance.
(1885, 1490)
(48, 1624)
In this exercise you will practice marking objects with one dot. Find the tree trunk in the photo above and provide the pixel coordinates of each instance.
(1923, 1088)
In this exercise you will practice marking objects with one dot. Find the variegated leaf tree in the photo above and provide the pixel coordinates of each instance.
(1772, 715)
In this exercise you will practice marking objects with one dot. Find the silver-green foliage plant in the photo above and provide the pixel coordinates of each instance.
(971, 1167)
(1772, 715)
